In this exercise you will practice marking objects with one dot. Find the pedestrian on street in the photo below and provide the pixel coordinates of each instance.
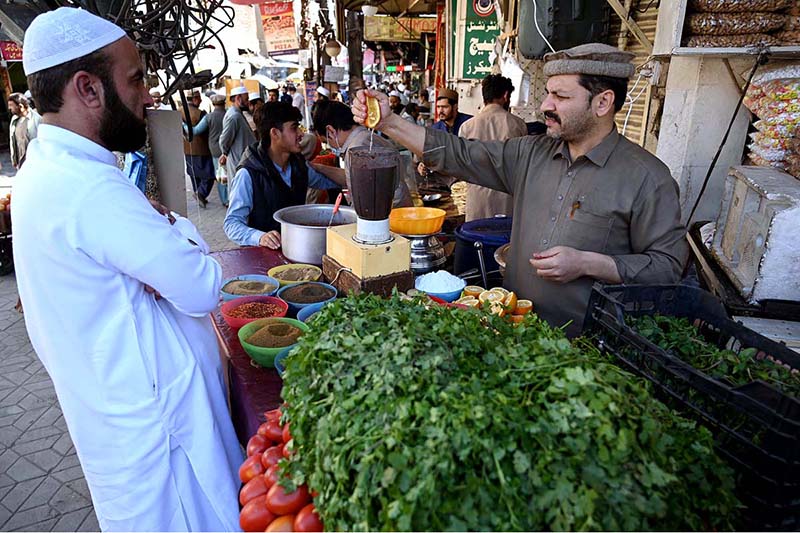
(116, 296)
(494, 123)
(199, 165)
(236, 134)
(211, 124)
(273, 174)
(21, 130)
(589, 204)
(297, 99)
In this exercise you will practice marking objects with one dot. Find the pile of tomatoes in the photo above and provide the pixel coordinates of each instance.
(266, 506)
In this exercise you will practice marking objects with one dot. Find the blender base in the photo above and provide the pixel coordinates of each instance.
(367, 261)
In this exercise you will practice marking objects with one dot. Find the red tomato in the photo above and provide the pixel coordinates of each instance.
(308, 519)
(271, 456)
(253, 488)
(255, 516)
(262, 429)
(256, 445)
(274, 432)
(273, 415)
(282, 523)
(280, 502)
(271, 476)
(251, 468)
(286, 451)
(286, 435)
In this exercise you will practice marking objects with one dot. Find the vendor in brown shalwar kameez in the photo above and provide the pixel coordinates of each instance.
(589, 205)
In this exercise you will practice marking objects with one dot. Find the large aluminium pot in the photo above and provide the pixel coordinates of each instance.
(303, 230)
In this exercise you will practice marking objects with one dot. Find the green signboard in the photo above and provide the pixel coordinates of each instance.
(480, 32)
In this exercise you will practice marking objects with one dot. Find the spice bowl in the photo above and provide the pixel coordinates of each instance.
(308, 293)
(270, 282)
(232, 314)
(283, 273)
(280, 331)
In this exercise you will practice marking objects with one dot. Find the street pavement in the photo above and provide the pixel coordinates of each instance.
(42, 487)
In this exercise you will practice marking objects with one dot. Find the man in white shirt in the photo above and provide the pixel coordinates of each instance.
(117, 298)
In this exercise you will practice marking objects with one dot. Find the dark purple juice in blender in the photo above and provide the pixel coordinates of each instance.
(373, 178)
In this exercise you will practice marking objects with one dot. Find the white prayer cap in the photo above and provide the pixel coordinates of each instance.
(401, 87)
(254, 96)
(155, 91)
(394, 93)
(323, 91)
(59, 36)
(236, 91)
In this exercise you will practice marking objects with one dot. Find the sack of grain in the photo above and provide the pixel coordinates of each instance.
(732, 41)
(734, 23)
(738, 6)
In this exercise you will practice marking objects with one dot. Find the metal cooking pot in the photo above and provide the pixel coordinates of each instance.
(303, 230)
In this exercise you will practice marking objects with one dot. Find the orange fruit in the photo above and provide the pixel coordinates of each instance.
(510, 302)
(491, 296)
(497, 308)
(373, 112)
(516, 319)
(473, 290)
(465, 299)
(523, 307)
(469, 303)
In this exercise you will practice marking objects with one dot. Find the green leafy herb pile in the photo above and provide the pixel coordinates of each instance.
(682, 338)
(407, 418)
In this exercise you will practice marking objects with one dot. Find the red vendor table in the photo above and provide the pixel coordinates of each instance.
(253, 389)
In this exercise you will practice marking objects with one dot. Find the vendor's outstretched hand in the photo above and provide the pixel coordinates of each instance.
(360, 111)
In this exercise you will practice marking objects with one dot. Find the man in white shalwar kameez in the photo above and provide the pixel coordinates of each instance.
(116, 297)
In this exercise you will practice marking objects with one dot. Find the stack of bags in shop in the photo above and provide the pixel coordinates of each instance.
(774, 98)
(739, 23)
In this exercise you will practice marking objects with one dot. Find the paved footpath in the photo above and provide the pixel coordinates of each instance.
(41, 483)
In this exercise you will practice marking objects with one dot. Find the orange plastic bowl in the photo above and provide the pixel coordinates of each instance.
(416, 220)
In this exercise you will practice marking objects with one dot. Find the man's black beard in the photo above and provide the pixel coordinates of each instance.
(120, 129)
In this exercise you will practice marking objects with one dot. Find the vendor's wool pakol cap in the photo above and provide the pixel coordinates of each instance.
(236, 91)
(450, 94)
(593, 59)
(59, 36)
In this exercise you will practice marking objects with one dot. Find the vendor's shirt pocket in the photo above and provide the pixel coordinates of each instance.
(586, 229)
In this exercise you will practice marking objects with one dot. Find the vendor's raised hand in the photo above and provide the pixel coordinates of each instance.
(271, 240)
(561, 264)
(362, 111)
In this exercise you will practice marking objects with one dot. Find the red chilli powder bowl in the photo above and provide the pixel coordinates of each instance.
(241, 311)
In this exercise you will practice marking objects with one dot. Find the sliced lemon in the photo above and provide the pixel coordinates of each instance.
(469, 303)
(465, 299)
(497, 308)
(510, 301)
(473, 290)
(491, 296)
(500, 289)
(373, 112)
(523, 307)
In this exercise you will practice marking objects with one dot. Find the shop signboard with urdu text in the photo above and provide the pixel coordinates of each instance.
(10, 51)
(408, 29)
(477, 30)
(277, 19)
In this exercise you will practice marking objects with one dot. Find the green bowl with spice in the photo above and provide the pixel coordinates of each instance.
(265, 338)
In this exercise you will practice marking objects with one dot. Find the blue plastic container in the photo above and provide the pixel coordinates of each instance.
(491, 232)
(308, 311)
(295, 307)
(279, 366)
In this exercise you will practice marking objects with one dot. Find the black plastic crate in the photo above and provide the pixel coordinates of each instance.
(756, 427)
